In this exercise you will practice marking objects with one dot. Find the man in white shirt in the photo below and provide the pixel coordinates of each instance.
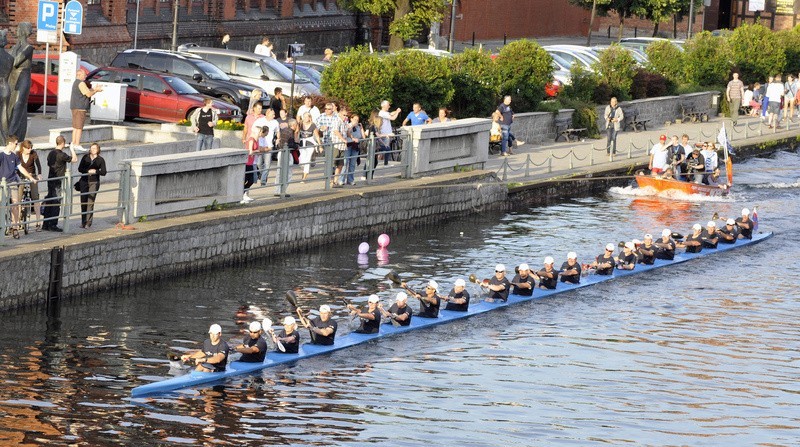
(710, 160)
(658, 157)
(307, 107)
(774, 94)
(388, 117)
(265, 128)
(265, 48)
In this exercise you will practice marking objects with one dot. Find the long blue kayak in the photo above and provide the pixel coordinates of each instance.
(195, 378)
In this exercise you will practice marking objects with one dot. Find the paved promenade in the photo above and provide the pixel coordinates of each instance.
(529, 164)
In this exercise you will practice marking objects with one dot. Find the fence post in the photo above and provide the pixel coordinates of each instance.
(283, 157)
(630, 148)
(328, 166)
(571, 154)
(4, 204)
(550, 162)
(528, 166)
(408, 143)
(66, 194)
(123, 197)
(760, 128)
(368, 166)
(505, 169)
(591, 155)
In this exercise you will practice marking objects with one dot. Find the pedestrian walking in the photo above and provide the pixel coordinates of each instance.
(203, 121)
(91, 167)
(613, 116)
(790, 89)
(734, 94)
(774, 95)
(506, 120)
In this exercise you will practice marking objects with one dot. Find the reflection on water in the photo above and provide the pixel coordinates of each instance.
(703, 353)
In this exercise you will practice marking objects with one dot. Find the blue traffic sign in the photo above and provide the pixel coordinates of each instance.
(47, 16)
(73, 17)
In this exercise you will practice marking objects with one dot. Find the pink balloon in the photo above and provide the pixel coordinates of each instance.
(383, 240)
(363, 247)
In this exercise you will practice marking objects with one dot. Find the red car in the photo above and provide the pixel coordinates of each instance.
(36, 96)
(160, 97)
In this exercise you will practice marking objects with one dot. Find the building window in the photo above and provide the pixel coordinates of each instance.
(92, 2)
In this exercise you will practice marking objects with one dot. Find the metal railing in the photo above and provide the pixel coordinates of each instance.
(65, 199)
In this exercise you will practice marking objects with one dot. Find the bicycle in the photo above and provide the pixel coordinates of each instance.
(26, 207)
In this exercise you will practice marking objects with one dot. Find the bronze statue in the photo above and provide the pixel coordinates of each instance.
(6, 65)
(20, 82)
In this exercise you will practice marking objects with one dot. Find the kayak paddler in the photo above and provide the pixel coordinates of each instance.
(370, 318)
(214, 355)
(253, 347)
(430, 302)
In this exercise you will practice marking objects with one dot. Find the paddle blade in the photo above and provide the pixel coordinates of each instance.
(677, 236)
(280, 346)
(473, 278)
(266, 325)
(291, 297)
(393, 277)
(621, 244)
(173, 357)
(715, 216)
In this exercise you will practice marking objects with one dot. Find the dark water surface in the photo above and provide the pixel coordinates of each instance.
(704, 353)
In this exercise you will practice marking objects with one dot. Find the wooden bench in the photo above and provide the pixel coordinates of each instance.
(565, 130)
(690, 113)
(633, 121)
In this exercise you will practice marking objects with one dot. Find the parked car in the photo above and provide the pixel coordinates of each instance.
(160, 97)
(641, 43)
(571, 57)
(264, 72)
(36, 95)
(638, 56)
(204, 76)
(320, 66)
(305, 74)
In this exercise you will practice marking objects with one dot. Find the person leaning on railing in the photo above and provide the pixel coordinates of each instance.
(10, 166)
(57, 161)
(92, 167)
(29, 160)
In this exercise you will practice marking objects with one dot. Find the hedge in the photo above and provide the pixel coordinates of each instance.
(420, 77)
(707, 59)
(475, 80)
(524, 68)
(360, 79)
(666, 59)
(616, 68)
(756, 52)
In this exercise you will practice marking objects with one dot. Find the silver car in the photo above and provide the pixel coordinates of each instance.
(261, 71)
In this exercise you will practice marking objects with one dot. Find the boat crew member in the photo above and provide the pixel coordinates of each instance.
(729, 233)
(646, 253)
(214, 355)
(523, 281)
(571, 269)
(253, 347)
(458, 298)
(604, 264)
(659, 157)
(498, 285)
(694, 242)
(710, 236)
(290, 338)
(695, 165)
(665, 247)
(370, 318)
(400, 311)
(745, 225)
(715, 179)
(627, 259)
(323, 328)
(428, 303)
(548, 277)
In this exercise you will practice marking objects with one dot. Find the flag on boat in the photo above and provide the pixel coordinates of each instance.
(722, 139)
(755, 219)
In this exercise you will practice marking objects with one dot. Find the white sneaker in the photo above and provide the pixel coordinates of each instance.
(246, 199)
(79, 149)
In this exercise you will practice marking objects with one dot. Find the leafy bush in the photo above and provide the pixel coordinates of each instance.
(475, 81)
(647, 84)
(666, 59)
(585, 115)
(707, 59)
(616, 68)
(756, 52)
(360, 79)
(524, 69)
(420, 77)
(790, 41)
(583, 83)
(603, 93)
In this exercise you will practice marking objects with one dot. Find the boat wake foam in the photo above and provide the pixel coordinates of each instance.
(668, 194)
(775, 185)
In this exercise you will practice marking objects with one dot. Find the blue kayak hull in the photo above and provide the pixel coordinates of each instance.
(273, 359)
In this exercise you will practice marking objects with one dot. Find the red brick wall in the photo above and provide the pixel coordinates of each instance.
(516, 18)
(644, 27)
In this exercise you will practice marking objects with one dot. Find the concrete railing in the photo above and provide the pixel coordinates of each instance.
(441, 147)
(657, 111)
(180, 183)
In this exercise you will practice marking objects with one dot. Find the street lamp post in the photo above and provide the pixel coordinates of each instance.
(136, 27)
(175, 27)
(451, 40)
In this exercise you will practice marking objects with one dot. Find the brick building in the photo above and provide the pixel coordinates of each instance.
(110, 25)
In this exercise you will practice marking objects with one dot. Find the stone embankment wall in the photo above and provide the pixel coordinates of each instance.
(665, 108)
(113, 258)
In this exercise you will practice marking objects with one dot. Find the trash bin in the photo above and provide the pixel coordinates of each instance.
(109, 104)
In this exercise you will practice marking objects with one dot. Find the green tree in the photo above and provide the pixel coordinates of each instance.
(524, 68)
(756, 52)
(475, 80)
(410, 16)
(361, 79)
(790, 41)
(623, 8)
(707, 60)
(667, 59)
(420, 77)
(616, 68)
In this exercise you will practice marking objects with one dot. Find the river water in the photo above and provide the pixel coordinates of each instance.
(703, 353)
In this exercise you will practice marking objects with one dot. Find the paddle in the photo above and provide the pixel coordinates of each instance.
(175, 361)
(291, 297)
(385, 313)
(266, 325)
(395, 278)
